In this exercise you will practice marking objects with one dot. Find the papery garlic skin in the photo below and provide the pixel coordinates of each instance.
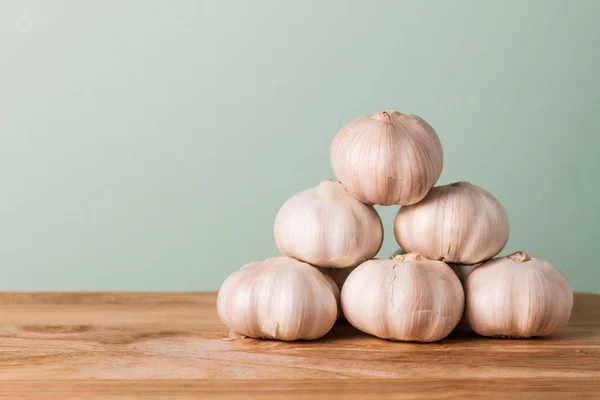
(387, 158)
(409, 298)
(518, 296)
(326, 227)
(279, 298)
(457, 223)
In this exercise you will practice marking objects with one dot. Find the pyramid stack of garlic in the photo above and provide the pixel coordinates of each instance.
(445, 273)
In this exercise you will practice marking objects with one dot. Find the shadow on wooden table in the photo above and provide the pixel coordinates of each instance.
(343, 330)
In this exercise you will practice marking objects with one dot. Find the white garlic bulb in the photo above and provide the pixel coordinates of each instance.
(387, 158)
(517, 296)
(326, 227)
(408, 298)
(279, 298)
(458, 223)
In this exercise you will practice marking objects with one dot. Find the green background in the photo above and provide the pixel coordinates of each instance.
(148, 145)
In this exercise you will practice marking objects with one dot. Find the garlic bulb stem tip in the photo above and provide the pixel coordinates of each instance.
(407, 257)
(520, 256)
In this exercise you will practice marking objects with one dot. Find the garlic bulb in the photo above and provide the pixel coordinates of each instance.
(408, 298)
(459, 223)
(326, 227)
(279, 298)
(387, 158)
(517, 296)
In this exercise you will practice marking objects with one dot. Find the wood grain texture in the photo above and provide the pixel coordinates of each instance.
(158, 345)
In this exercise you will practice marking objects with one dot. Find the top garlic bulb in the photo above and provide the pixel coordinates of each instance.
(387, 158)
(326, 227)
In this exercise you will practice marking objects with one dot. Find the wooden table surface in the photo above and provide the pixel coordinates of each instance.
(165, 345)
